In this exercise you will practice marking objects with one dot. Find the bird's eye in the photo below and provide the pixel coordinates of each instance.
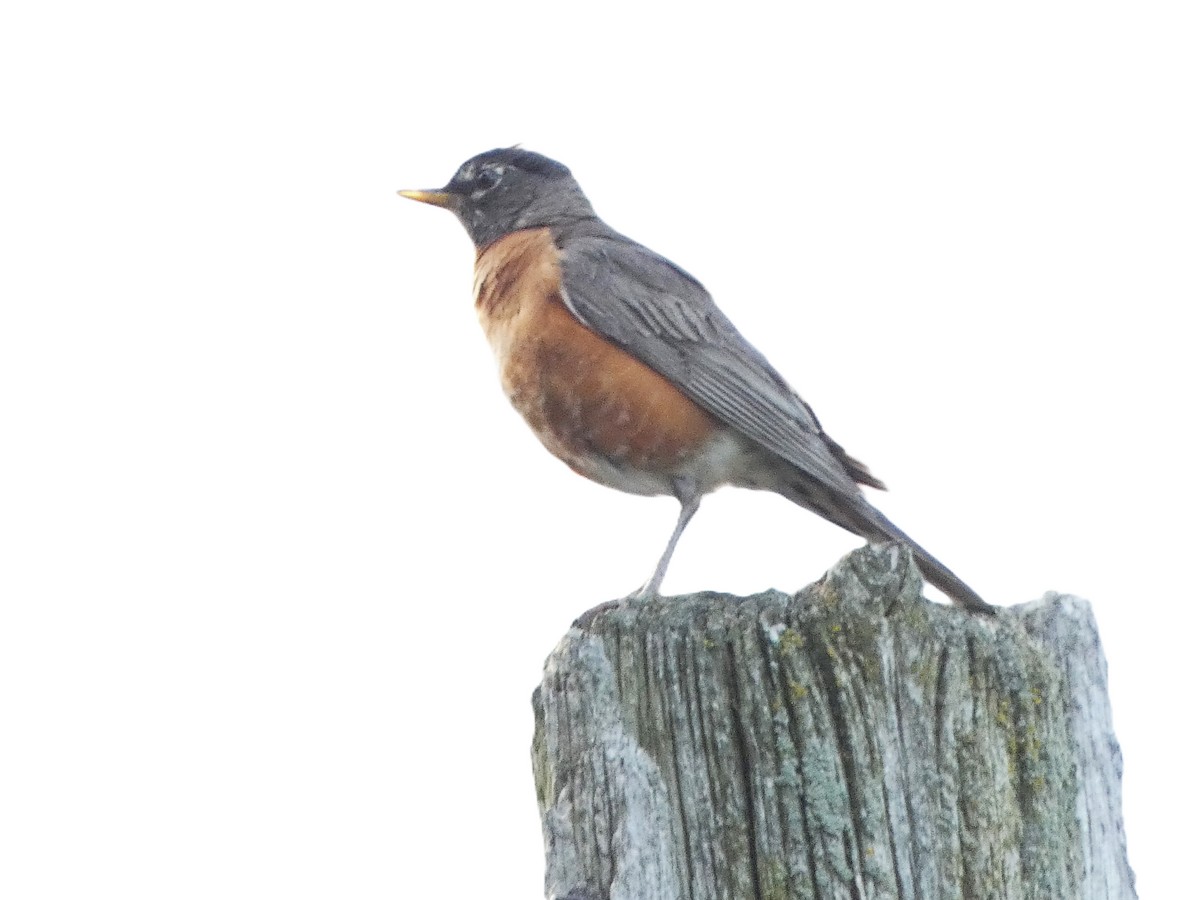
(488, 178)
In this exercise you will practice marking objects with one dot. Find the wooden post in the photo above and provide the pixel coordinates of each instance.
(852, 741)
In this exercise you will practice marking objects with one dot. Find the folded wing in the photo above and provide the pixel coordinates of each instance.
(664, 317)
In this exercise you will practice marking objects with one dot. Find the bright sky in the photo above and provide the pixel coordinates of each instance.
(279, 567)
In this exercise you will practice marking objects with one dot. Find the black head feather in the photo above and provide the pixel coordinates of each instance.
(510, 189)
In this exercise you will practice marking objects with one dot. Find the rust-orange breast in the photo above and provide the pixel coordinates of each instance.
(591, 404)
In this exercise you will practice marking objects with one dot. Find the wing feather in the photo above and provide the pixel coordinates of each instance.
(664, 317)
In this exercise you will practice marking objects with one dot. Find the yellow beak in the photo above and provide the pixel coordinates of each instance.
(443, 199)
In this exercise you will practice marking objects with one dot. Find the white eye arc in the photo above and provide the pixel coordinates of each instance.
(489, 177)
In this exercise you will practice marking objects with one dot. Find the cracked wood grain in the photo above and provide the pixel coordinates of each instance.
(852, 741)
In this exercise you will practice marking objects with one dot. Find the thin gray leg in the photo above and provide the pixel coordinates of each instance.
(689, 502)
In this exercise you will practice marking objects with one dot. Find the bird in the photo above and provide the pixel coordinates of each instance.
(627, 371)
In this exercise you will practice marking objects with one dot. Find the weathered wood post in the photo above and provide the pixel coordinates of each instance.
(852, 741)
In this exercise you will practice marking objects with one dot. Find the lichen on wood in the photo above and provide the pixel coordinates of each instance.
(853, 740)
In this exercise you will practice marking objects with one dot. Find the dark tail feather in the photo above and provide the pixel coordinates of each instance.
(856, 515)
(933, 570)
(945, 580)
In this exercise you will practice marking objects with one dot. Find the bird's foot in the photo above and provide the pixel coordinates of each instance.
(585, 619)
(647, 591)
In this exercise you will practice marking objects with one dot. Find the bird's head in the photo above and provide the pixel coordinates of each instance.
(502, 191)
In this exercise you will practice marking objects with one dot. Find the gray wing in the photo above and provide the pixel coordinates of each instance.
(649, 307)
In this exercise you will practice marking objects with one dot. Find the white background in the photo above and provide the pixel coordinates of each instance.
(279, 567)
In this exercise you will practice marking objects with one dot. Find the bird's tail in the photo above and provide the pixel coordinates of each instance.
(942, 578)
(856, 515)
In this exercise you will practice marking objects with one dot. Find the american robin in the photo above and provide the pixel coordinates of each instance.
(628, 372)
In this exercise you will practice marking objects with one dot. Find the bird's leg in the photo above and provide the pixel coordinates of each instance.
(689, 501)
